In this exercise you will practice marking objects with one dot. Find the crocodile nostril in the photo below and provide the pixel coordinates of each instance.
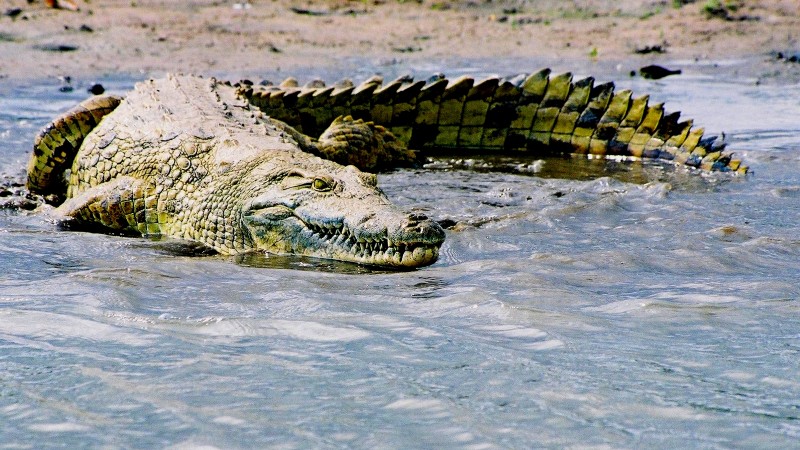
(417, 223)
(414, 219)
(411, 223)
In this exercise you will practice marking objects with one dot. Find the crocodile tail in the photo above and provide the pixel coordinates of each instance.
(541, 113)
(56, 145)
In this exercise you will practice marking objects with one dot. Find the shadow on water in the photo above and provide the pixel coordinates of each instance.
(263, 260)
(256, 259)
(583, 168)
(176, 247)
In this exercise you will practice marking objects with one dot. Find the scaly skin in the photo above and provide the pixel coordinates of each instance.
(184, 157)
(194, 159)
(58, 142)
(539, 114)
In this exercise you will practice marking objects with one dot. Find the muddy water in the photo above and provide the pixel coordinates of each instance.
(586, 311)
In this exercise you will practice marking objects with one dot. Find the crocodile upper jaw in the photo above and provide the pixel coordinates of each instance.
(402, 241)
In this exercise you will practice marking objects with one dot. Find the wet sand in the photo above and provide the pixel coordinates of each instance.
(149, 38)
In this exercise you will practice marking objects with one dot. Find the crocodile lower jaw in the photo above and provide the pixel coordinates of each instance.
(337, 242)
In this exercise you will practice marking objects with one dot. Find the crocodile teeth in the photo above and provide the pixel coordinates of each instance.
(365, 247)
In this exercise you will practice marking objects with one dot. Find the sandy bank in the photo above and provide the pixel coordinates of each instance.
(248, 39)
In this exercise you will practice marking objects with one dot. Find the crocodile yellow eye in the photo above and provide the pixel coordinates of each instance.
(321, 184)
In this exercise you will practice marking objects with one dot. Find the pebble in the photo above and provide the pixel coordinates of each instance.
(13, 12)
(97, 89)
(57, 48)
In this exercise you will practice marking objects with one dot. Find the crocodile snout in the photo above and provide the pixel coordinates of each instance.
(427, 230)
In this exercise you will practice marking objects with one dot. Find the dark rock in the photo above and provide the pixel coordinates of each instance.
(792, 57)
(647, 49)
(58, 48)
(14, 196)
(725, 11)
(97, 89)
(308, 12)
(13, 12)
(527, 20)
(408, 49)
(353, 12)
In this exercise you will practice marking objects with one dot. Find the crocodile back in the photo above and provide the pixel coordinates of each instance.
(540, 114)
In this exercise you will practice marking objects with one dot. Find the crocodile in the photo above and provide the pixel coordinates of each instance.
(234, 167)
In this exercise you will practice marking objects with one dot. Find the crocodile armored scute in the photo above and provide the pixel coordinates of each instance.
(541, 114)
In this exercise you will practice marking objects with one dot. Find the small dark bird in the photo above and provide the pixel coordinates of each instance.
(654, 72)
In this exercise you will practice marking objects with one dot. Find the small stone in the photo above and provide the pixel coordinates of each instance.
(13, 12)
(647, 49)
(57, 48)
(97, 89)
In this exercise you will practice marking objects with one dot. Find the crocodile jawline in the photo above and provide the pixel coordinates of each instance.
(371, 250)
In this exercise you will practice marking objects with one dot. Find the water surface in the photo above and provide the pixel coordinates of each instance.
(592, 311)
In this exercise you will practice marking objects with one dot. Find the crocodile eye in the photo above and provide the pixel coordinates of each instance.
(322, 184)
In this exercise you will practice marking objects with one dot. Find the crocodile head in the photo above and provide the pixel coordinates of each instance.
(330, 211)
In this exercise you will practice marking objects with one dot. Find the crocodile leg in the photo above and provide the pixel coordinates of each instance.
(365, 145)
(540, 114)
(123, 205)
(57, 144)
(362, 144)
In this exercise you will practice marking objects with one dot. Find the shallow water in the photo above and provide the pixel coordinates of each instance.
(583, 312)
